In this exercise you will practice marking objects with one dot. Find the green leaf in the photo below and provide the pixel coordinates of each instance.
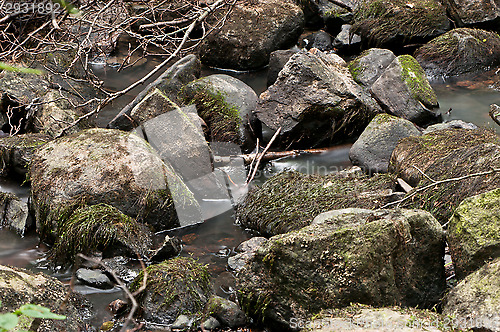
(8, 321)
(4, 66)
(68, 7)
(37, 311)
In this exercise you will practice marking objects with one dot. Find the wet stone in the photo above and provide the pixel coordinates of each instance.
(94, 278)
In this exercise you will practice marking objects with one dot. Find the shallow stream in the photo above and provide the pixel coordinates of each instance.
(213, 241)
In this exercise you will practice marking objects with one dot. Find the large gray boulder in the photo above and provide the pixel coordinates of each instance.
(482, 13)
(442, 155)
(106, 166)
(314, 99)
(373, 149)
(396, 22)
(19, 286)
(160, 96)
(174, 287)
(370, 64)
(459, 51)
(227, 106)
(251, 32)
(474, 303)
(403, 90)
(474, 232)
(291, 200)
(377, 257)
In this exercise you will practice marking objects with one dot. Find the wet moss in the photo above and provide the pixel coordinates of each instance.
(290, 200)
(179, 286)
(98, 227)
(443, 155)
(380, 21)
(415, 79)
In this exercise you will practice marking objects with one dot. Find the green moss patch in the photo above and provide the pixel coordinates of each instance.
(223, 120)
(179, 286)
(290, 200)
(98, 227)
(415, 79)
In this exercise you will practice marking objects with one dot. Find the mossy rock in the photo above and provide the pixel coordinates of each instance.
(101, 228)
(105, 166)
(395, 22)
(179, 286)
(474, 232)
(19, 286)
(447, 154)
(16, 152)
(474, 13)
(459, 51)
(374, 257)
(475, 302)
(291, 200)
(404, 90)
(226, 104)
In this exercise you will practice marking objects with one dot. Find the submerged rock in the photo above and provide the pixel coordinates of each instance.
(315, 100)
(474, 232)
(459, 51)
(16, 152)
(392, 23)
(447, 154)
(377, 257)
(19, 286)
(373, 149)
(147, 104)
(474, 303)
(111, 167)
(274, 25)
(174, 287)
(290, 200)
(403, 90)
(14, 213)
(227, 106)
(370, 64)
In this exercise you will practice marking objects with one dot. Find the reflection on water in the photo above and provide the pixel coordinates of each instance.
(11, 186)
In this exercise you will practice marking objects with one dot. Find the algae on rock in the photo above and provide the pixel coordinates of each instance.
(446, 154)
(291, 200)
(474, 232)
(179, 286)
(375, 257)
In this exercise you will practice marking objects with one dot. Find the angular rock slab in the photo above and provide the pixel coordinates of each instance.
(314, 98)
(376, 257)
(474, 232)
(368, 66)
(404, 91)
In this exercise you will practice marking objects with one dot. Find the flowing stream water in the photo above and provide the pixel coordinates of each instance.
(214, 240)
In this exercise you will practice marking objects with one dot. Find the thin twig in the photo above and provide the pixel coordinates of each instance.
(262, 154)
(398, 202)
(423, 174)
(130, 295)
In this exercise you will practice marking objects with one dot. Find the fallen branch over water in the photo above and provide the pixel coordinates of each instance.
(435, 183)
